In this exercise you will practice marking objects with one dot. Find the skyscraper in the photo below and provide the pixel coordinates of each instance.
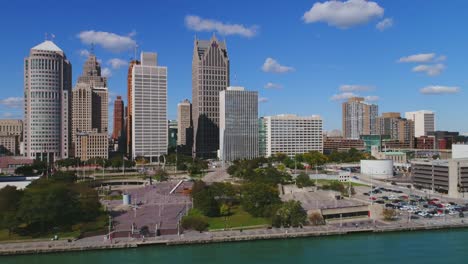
(118, 131)
(424, 122)
(238, 124)
(149, 108)
(184, 125)
(397, 128)
(90, 112)
(47, 99)
(291, 134)
(130, 105)
(359, 118)
(210, 75)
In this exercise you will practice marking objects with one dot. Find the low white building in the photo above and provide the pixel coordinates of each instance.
(459, 151)
(380, 169)
(292, 134)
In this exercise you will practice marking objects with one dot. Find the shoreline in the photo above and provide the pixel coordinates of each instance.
(49, 247)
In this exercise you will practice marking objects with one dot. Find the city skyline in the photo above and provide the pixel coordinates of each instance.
(305, 80)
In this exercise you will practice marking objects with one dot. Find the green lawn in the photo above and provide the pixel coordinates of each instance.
(324, 182)
(239, 218)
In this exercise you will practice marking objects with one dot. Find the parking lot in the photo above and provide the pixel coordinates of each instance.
(413, 206)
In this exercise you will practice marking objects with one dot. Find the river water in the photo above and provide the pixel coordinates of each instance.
(399, 248)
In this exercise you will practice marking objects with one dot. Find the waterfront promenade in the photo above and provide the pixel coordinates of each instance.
(99, 243)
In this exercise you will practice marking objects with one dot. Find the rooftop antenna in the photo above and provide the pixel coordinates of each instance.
(46, 36)
(235, 79)
(135, 52)
(92, 48)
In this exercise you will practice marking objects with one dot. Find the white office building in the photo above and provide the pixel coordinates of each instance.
(424, 121)
(291, 134)
(238, 124)
(47, 100)
(149, 108)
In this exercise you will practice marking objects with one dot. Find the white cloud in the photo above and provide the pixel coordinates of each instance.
(371, 98)
(431, 70)
(107, 40)
(271, 85)
(84, 53)
(420, 58)
(441, 58)
(12, 102)
(438, 89)
(271, 65)
(384, 24)
(106, 72)
(343, 14)
(343, 96)
(197, 23)
(355, 88)
(116, 63)
(262, 100)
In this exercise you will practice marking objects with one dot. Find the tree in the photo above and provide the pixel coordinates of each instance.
(206, 203)
(315, 158)
(259, 199)
(57, 202)
(160, 175)
(316, 219)
(225, 210)
(389, 214)
(289, 214)
(194, 220)
(303, 180)
(9, 202)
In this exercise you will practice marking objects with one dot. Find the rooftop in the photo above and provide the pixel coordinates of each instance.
(48, 46)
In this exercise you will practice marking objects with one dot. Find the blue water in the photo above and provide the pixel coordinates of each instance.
(414, 247)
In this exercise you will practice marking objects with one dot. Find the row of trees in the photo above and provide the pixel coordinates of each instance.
(315, 158)
(36, 168)
(56, 203)
(115, 162)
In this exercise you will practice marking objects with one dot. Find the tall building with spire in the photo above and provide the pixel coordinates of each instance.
(47, 100)
(210, 75)
(90, 112)
(129, 115)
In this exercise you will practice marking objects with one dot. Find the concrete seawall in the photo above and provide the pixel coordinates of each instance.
(208, 237)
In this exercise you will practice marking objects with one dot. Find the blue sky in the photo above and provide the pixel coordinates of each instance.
(416, 59)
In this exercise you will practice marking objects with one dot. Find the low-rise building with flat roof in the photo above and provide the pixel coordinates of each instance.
(444, 176)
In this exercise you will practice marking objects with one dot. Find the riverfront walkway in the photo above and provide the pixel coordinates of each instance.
(191, 237)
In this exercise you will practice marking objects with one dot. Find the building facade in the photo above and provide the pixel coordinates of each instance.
(90, 110)
(184, 123)
(149, 108)
(47, 100)
(397, 128)
(129, 115)
(91, 145)
(444, 176)
(359, 118)
(173, 134)
(238, 124)
(424, 122)
(210, 75)
(262, 137)
(291, 134)
(11, 133)
(119, 122)
(331, 144)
